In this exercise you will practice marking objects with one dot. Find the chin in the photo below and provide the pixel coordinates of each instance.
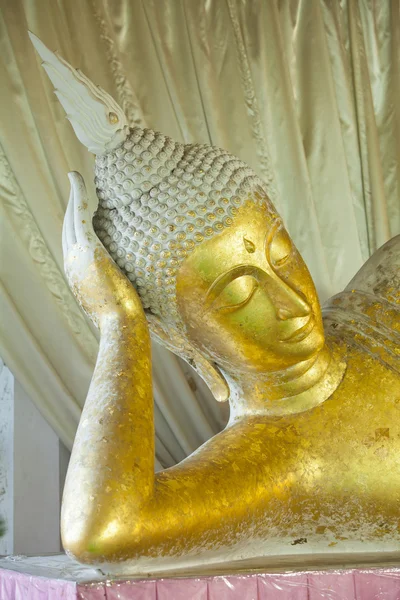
(311, 345)
(306, 348)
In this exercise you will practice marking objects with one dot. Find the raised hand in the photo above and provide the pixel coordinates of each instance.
(96, 281)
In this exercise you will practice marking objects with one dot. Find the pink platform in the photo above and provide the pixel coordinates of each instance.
(58, 578)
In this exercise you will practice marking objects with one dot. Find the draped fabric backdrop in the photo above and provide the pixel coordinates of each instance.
(306, 91)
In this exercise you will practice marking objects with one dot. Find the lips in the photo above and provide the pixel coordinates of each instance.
(301, 334)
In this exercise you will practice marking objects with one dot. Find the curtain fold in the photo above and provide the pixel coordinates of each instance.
(306, 91)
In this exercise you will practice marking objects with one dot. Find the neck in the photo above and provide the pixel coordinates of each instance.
(296, 389)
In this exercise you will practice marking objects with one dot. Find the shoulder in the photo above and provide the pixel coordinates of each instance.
(380, 275)
(367, 313)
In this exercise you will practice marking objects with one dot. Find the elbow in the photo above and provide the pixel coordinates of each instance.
(108, 543)
(83, 546)
(95, 533)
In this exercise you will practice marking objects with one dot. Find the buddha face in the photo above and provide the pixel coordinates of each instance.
(247, 298)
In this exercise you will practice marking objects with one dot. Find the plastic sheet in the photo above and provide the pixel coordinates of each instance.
(57, 577)
(21, 586)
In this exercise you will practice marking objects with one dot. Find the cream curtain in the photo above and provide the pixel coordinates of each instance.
(305, 91)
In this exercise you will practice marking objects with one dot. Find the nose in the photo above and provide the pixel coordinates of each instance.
(283, 314)
(292, 307)
(288, 303)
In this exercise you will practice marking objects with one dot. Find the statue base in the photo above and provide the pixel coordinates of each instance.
(59, 577)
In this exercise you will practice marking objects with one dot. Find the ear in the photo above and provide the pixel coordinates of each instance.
(174, 341)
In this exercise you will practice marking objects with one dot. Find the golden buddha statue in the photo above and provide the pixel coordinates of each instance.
(193, 251)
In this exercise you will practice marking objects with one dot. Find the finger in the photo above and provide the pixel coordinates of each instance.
(82, 221)
(69, 233)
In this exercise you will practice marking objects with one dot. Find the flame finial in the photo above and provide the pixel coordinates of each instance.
(99, 123)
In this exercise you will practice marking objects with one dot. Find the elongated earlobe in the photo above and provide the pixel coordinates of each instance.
(174, 341)
(212, 377)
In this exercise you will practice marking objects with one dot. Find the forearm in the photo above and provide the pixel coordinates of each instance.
(111, 473)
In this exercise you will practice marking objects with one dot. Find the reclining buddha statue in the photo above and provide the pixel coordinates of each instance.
(186, 245)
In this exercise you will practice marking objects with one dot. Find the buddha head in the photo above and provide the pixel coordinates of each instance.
(193, 229)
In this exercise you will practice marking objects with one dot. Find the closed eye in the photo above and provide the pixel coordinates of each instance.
(279, 246)
(232, 290)
(236, 294)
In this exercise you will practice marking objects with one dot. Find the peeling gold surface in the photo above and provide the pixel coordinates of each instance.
(311, 456)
